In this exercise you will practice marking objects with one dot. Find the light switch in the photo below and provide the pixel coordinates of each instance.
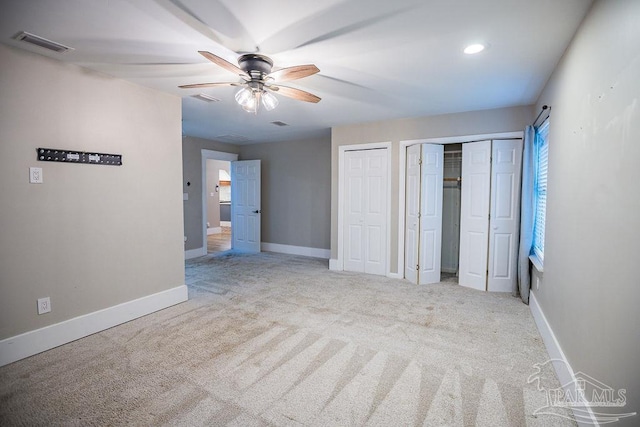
(185, 196)
(35, 175)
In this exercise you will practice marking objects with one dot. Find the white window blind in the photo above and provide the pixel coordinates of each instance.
(540, 188)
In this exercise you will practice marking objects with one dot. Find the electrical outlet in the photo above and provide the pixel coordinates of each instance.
(44, 305)
(35, 175)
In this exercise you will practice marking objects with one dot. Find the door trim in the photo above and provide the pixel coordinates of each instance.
(403, 170)
(339, 264)
(209, 155)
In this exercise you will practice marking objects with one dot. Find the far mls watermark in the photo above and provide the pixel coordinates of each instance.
(584, 396)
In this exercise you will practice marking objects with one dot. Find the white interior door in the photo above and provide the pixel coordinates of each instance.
(245, 205)
(366, 183)
(474, 214)
(505, 215)
(412, 209)
(430, 253)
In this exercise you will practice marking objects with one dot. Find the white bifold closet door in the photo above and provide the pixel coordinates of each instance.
(423, 238)
(412, 212)
(365, 227)
(504, 225)
(474, 214)
(489, 214)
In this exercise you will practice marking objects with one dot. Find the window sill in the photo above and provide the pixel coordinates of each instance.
(537, 263)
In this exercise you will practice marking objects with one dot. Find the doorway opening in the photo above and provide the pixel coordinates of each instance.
(474, 186)
(218, 205)
(216, 200)
(452, 186)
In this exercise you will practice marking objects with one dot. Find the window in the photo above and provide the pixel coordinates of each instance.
(541, 148)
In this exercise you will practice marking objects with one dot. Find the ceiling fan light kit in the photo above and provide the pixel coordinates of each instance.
(269, 101)
(259, 81)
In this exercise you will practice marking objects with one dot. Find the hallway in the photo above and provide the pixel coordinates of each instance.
(219, 242)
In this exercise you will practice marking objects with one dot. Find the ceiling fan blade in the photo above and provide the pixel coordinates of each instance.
(298, 94)
(199, 85)
(342, 18)
(223, 63)
(213, 19)
(294, 73)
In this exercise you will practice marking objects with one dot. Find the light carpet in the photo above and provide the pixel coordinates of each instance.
(273, 339)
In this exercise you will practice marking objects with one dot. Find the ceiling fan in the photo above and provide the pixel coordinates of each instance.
(258, 81)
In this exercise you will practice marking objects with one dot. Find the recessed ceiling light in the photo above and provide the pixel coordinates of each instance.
(473, 48)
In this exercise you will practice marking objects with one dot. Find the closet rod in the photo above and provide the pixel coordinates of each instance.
(544, 108)
(458, 179)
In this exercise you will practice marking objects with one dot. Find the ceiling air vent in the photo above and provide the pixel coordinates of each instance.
(41, 42)
(231, 138)
(205, 97)
(279, 123)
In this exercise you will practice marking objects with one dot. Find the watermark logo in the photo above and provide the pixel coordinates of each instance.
(585, 396)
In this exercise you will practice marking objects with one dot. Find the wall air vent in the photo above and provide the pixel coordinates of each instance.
(279, 123)
(205, 97)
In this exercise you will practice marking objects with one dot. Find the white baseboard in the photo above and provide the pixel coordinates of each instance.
(225, 223)
(336, 265)
(214, 230)
(561, 365)
(296, 250)
(195, 253)
(39, 340)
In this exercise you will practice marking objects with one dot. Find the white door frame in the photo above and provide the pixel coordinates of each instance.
(341, 190)
(403, 170)
(209, 155)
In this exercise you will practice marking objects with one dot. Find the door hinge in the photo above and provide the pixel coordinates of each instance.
(417, 267)
(420, 161)
(419, 215)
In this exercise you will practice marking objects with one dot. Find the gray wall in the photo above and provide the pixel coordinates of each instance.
(590, 289)
(461, 124)
(296, 191)
(192, 173)
(90, 236)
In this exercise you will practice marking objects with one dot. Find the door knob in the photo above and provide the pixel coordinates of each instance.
(257, 211)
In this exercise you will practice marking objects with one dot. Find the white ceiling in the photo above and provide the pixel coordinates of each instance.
(378, 59)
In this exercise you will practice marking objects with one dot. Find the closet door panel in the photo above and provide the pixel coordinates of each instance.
(354, 211)
(505, 215)
(432, 172)
(412, 209)
(474, 214)
(375, 212)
